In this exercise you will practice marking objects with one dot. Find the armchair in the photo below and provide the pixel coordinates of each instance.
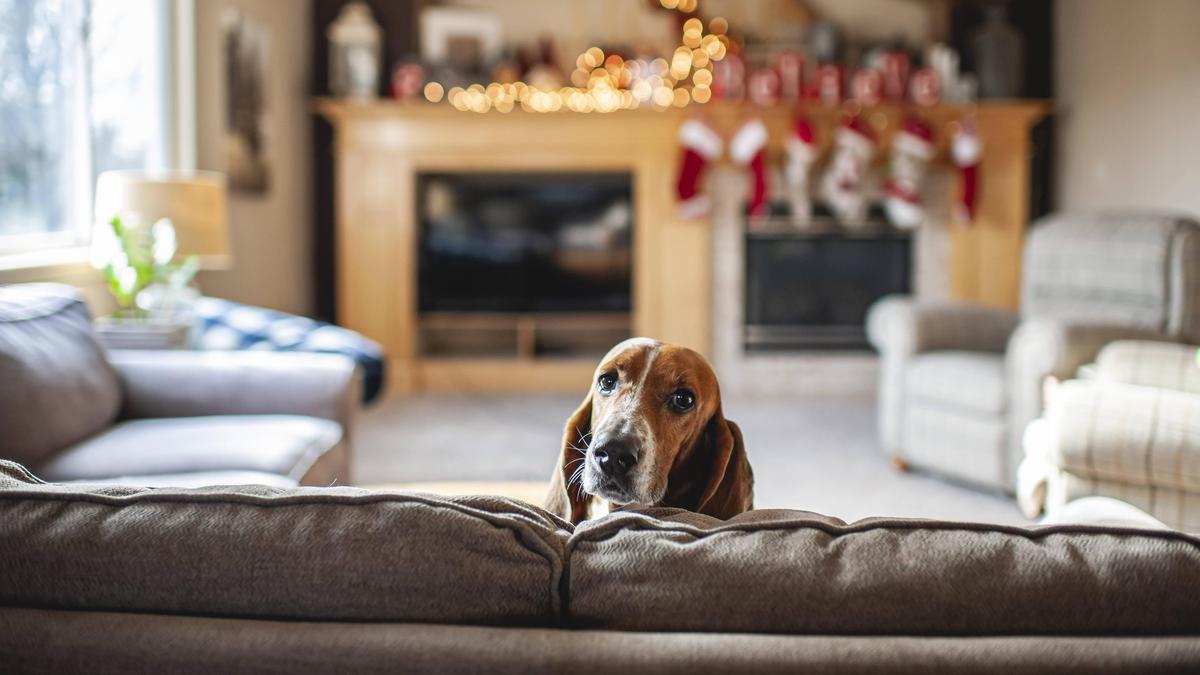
(1130, 431)
(959, 383)
(74, 412)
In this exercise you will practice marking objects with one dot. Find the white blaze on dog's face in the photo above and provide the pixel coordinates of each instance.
(650, 404)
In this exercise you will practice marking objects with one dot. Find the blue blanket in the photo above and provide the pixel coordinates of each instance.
(224, 325)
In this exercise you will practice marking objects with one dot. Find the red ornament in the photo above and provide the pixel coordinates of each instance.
(828, 84)
(763, 86)
(895, 75)
(926, 87)
(867, 87)
(790, 66)
(729, 78)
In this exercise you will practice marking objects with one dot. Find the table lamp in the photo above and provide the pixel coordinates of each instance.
(193, 201)
(149, 266)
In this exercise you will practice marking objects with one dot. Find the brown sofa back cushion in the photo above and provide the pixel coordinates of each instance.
(56, 387)
(350, 554)
(302, 553)
(794, 572)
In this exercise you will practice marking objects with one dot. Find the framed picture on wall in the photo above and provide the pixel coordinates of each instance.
(244, 48)
(460, 43)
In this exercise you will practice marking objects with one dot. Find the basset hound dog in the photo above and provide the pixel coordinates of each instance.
(650, 433)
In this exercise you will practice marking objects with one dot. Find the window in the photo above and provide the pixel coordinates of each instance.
(83, 89)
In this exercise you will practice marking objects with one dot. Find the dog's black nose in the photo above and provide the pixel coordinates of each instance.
(616, 457)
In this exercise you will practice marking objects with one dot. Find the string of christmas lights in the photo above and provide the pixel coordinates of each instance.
(605, 84)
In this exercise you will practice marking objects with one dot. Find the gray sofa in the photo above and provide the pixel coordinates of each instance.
(960, 383)
(74, 412)
(115, 579)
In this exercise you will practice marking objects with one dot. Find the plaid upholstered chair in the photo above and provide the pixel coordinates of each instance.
(960, 383)
(1128, 429)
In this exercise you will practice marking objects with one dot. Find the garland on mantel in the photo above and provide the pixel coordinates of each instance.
(609, 83)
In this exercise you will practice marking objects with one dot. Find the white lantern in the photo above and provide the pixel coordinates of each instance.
(354, 40)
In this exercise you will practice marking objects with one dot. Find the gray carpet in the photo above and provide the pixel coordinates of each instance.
(816, 454)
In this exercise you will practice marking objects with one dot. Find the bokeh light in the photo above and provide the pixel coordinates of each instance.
(606, 83)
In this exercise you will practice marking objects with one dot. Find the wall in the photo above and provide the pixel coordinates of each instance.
(271, 233)
(1128, 76)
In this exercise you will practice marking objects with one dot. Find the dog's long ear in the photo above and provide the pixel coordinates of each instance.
(727, 480)
(567, 500)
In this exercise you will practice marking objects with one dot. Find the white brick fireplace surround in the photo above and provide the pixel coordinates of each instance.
(833, 373)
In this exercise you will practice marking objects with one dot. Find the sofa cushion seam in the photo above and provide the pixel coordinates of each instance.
(838, 531)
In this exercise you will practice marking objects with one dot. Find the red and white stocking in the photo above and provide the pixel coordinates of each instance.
(746, 150)
(800, 150)
(843, 184)
(701, 145)
(912, 149)
(966, 149)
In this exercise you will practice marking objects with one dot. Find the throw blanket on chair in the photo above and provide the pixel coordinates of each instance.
(224, 325)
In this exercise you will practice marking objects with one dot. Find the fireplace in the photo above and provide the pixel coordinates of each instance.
(523, 264)
(524, 242)
(810, 289)
(687, 278)
(484, 296)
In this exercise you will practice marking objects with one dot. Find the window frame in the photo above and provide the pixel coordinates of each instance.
(176, 100)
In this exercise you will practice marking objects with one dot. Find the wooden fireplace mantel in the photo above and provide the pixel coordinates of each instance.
(381, 146)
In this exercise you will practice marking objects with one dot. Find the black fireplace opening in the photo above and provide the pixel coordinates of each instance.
(525, 242)
(810, 289)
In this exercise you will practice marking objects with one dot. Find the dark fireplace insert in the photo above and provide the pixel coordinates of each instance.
(525, 242)
(523, 265)
(810, 289)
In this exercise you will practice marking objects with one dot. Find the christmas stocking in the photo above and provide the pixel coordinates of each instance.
(746, 150)
(801, 150)
(967, 150)
(701, 145)
(911, 150)
(842, 185)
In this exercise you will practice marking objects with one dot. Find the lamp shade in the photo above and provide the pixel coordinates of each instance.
(194, 202)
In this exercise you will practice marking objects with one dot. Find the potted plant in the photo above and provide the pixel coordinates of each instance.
(153, 291)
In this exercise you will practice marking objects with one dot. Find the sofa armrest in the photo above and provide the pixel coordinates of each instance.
(1126, 434)
(1150, 364)
(901, 325)
(1045, 347)
(195, 383)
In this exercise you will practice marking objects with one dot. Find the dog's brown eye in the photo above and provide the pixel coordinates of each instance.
(607, 382)
(682, 400)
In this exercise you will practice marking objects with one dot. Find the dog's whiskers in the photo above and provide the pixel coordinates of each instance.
(576, 474)
(576, 478)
